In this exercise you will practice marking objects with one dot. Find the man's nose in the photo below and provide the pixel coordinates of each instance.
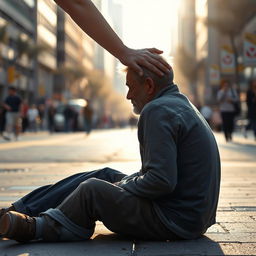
(128, 96)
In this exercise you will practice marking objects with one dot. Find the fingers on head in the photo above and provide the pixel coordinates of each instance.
(155, 50)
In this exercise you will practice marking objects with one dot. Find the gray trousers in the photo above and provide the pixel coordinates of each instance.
(119, 210)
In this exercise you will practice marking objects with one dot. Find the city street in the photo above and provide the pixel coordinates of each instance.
(39, 159)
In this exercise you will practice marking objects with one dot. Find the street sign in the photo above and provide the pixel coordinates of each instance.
(227, 60)
(250, 49)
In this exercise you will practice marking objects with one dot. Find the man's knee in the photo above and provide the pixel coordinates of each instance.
(94, 188)
(110, 175)
(90, 185)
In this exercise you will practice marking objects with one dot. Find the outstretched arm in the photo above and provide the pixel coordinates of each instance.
(91, 21)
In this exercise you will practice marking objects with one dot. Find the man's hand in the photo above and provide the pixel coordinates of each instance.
(7, 107)
(148, 58)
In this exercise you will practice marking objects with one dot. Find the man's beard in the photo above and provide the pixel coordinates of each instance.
(136, 110)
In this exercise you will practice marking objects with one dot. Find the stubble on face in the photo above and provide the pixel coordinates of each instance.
(135, 93)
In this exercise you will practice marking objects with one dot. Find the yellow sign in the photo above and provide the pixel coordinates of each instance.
(11, 74)
(214, 74)
(250, 49)
(41, 90)
(227, 60)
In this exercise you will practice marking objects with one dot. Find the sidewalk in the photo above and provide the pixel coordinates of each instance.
(233, 234)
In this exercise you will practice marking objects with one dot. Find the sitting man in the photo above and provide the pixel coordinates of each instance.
(173, 196)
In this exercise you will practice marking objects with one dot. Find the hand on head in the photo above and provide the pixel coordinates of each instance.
(149, 58)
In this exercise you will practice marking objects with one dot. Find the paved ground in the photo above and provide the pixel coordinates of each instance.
(37, 159)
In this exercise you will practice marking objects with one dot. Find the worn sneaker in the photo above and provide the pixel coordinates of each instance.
(18, 226)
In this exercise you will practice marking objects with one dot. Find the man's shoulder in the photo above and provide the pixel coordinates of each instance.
(168, 103)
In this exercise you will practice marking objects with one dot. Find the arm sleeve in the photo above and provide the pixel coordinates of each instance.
(158, 176)
(220, 96)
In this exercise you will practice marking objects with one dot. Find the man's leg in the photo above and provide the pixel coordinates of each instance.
(51, 196)
(119, 210)
(8, 125)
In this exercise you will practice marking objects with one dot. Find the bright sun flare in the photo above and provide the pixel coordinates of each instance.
(150, 23)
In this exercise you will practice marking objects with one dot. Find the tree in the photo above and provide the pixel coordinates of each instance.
(25, 47)
(73, 75)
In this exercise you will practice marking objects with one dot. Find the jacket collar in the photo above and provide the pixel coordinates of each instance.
(171, 88)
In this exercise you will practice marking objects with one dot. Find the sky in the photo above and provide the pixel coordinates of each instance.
(150, 23)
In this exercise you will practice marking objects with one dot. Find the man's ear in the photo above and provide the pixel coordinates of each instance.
(150, 86)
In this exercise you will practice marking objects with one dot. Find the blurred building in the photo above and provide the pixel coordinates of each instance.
(46, 35)
(16, 69)
(250, 72)
(75, 52)
(187, 27)
(112, 11)
(187, 47)
(209, 44)
(64, 52)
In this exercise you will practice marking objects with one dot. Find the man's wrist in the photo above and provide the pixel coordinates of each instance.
(122, 53)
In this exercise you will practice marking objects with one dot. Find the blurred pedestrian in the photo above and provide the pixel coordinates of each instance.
(51, 111)
(41, 113)
(12, 105)
(24, 115)
(2, 119)
(206, 112)
(90, 20)
(227, 97)
(33, 116)
(216, 120)
(133, 120)
(251, 106)
(69, 116)
(88, 115)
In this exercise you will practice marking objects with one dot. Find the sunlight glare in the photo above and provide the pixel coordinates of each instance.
(150, 23)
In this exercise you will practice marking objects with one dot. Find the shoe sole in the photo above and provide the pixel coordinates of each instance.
(5, 224)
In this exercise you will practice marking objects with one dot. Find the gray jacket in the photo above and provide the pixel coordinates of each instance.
(180, 169)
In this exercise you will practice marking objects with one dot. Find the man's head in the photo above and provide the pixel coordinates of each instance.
(225, 84)
(142, 89)
(12, 90)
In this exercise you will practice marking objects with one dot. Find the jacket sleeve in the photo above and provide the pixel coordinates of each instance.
(221, 96)
(158, 176)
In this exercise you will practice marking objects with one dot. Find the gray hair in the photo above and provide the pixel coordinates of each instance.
(160, 81)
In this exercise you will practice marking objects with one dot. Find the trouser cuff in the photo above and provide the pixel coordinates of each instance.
(59, 216)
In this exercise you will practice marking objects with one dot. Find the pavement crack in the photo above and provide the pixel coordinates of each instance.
(253, 218)
(224, 228)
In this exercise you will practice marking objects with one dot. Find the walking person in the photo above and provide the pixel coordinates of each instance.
(24, 115)
(88, 115)
(51, 111)
(227, 97)
(206, 112)
(251, 106)
(33, 116)
(173, 196)
(41, 116)
(2, 119)
(69, 115)
(12, 105)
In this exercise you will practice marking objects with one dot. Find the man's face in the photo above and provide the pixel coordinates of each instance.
(137, 92)
(12, 92)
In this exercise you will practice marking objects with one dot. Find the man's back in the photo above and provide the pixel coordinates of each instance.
(178, 146)
(14, 102)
